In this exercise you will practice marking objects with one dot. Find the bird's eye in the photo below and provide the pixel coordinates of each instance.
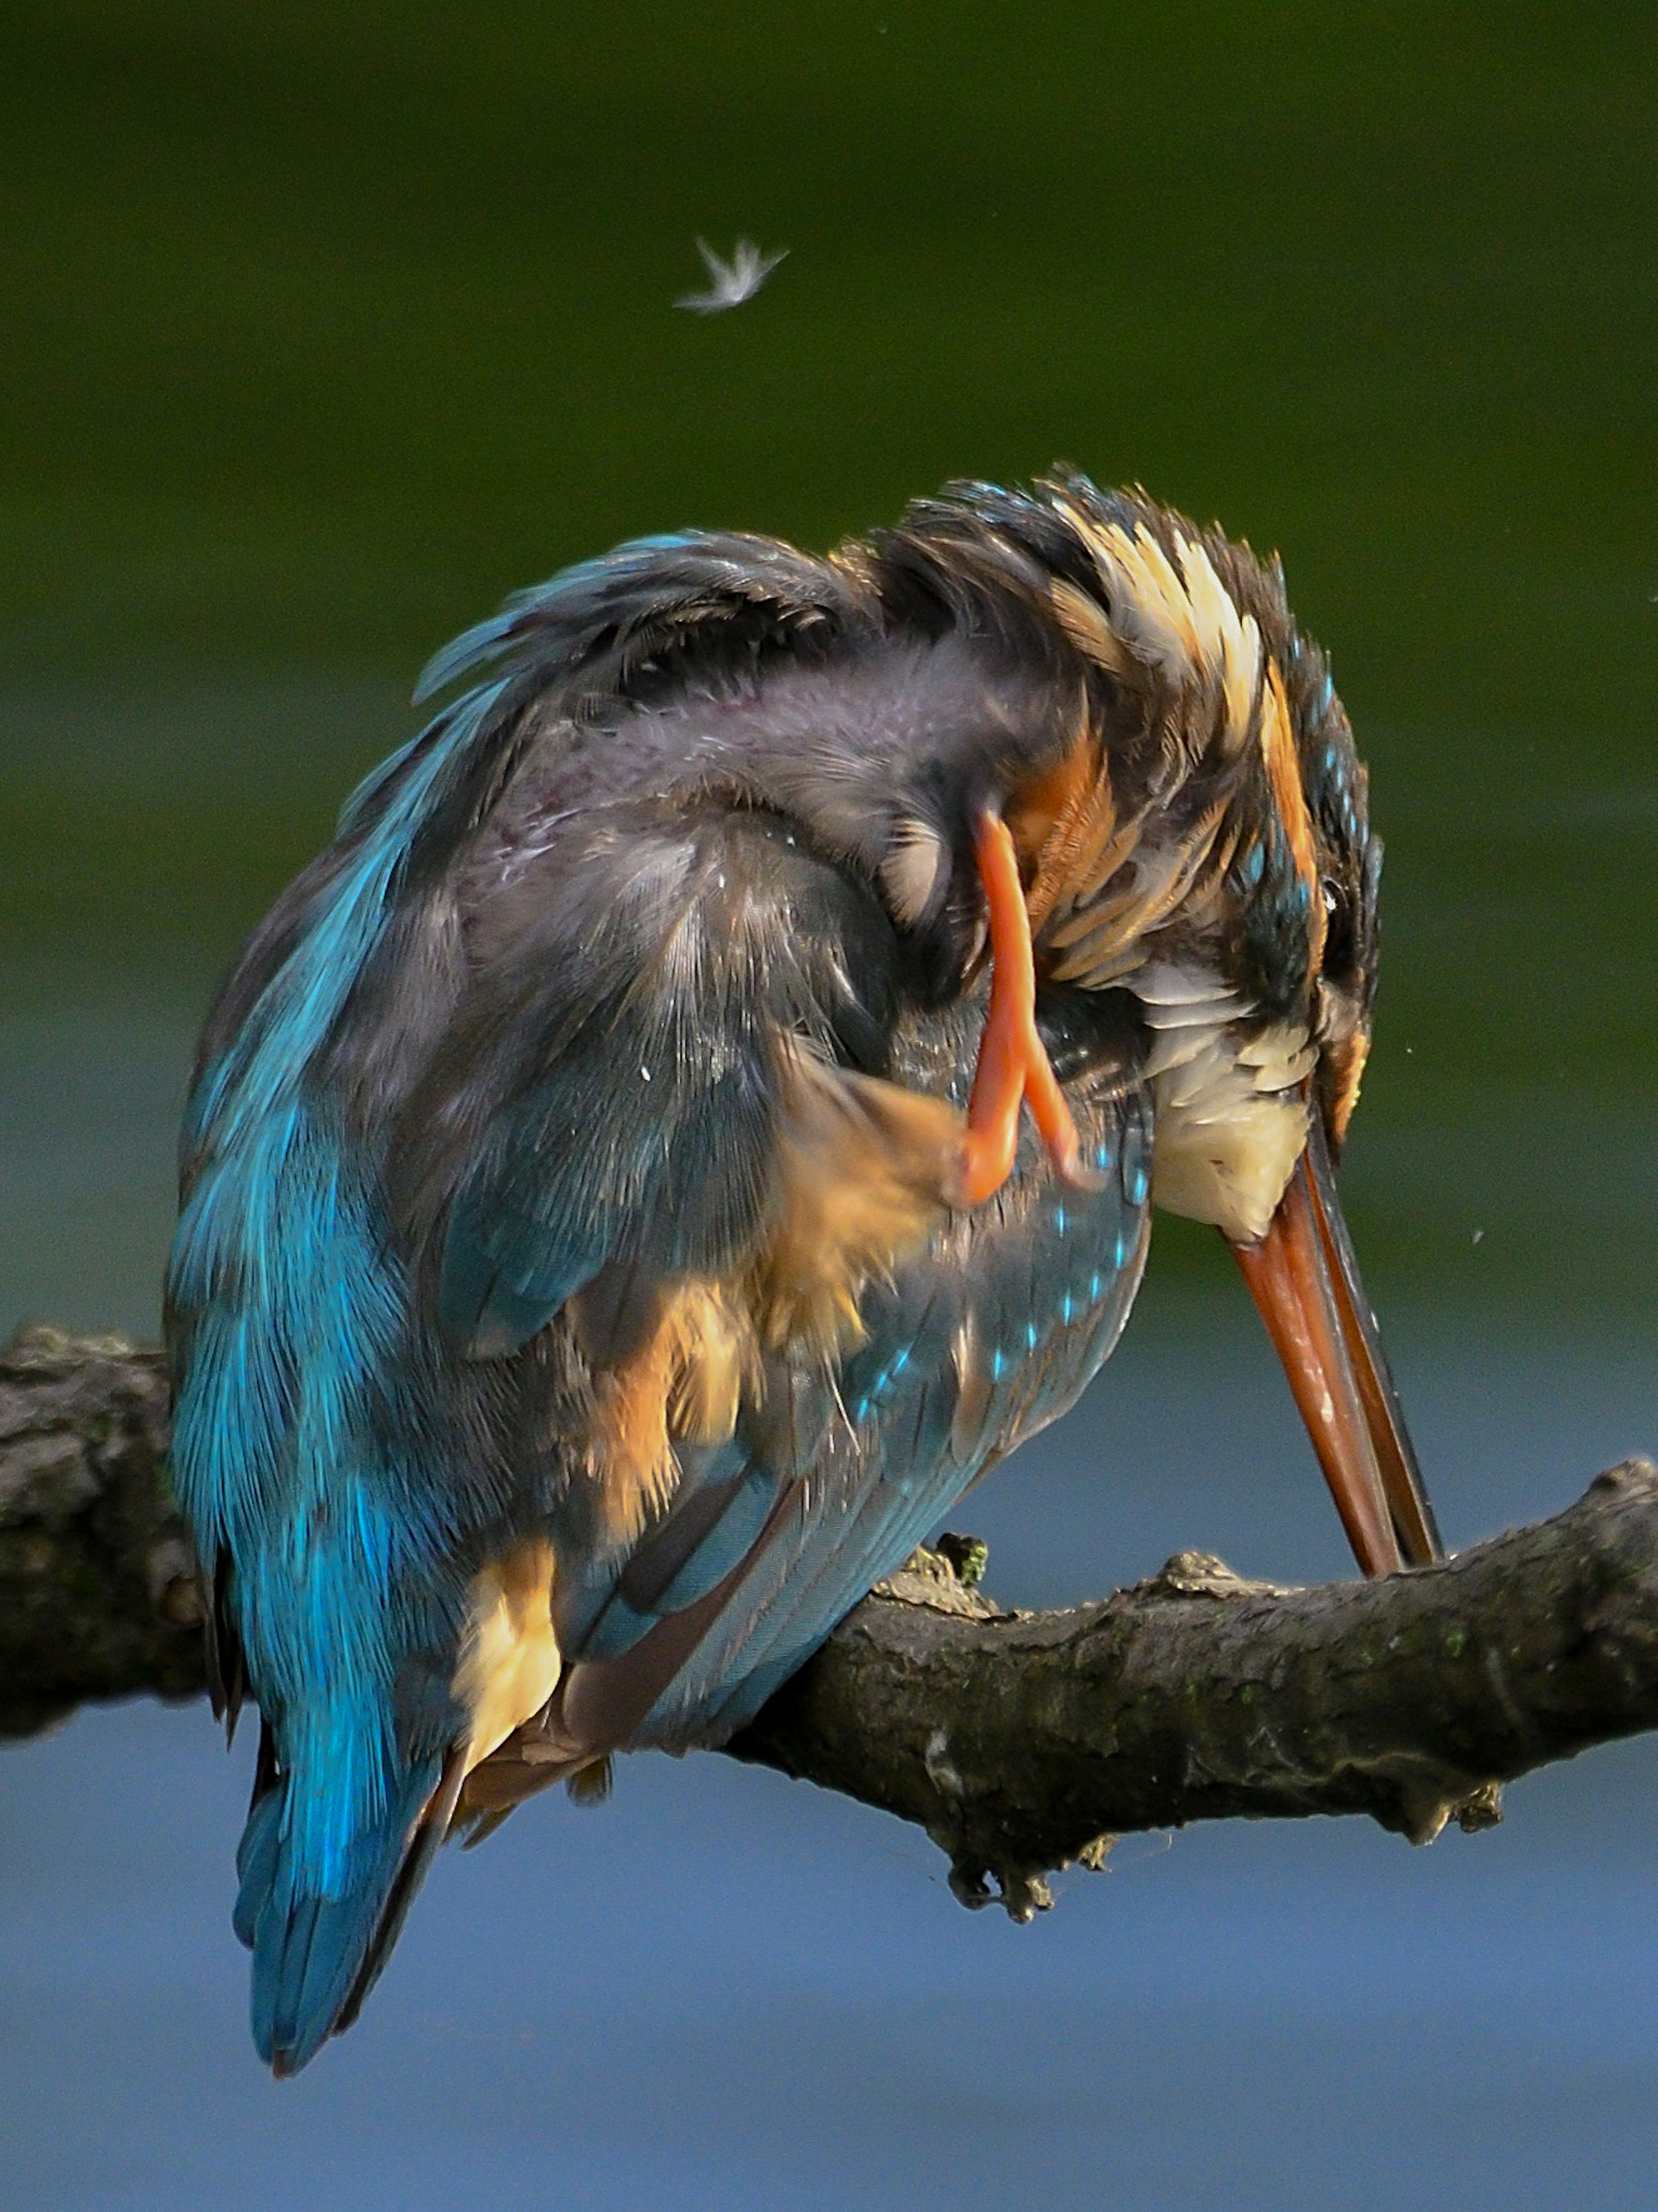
(1329, 895)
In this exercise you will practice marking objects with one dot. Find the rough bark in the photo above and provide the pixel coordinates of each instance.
(1020, 1741)
(97, 1578)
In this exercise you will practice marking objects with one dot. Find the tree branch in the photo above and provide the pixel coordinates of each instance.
(98, 1592)
(1020, 1741)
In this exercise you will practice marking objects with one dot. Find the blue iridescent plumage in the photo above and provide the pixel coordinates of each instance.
(574, 1305)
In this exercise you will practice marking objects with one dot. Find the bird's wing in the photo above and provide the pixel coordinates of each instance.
(442, 1357)
(529, 1177)
(835, 1469)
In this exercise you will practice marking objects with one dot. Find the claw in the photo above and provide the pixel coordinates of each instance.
(1013, 1063)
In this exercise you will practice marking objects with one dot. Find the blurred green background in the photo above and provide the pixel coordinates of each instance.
(324, 327)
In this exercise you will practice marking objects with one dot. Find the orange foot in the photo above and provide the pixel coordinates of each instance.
(1014, 1062)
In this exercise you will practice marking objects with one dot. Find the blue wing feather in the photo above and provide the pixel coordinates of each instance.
(309, 1947)
(326, 1440)
(475, 1069)
(310, 1444)
(869, 1457)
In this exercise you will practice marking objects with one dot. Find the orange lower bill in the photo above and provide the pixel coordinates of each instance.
(1305, 1284)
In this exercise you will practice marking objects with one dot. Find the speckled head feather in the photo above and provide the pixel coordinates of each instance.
(1214, 723)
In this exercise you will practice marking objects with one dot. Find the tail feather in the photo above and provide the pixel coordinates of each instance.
(422, 1849)
(255, 1864)
(256, 1854)
(311, 1952)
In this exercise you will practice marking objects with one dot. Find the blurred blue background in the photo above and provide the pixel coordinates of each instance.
(321, 327)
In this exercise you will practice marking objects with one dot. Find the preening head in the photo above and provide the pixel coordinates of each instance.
(1241, 911)
(1193, 833)
(1184, 795)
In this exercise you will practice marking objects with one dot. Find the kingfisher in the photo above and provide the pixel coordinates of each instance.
(612, 1234)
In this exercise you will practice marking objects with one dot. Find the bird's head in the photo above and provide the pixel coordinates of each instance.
(1188, 817)
(1236, 894)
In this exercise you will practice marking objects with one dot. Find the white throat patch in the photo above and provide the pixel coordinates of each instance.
(1230, 1124)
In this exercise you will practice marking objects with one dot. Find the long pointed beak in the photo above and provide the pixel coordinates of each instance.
(1304, 1280)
